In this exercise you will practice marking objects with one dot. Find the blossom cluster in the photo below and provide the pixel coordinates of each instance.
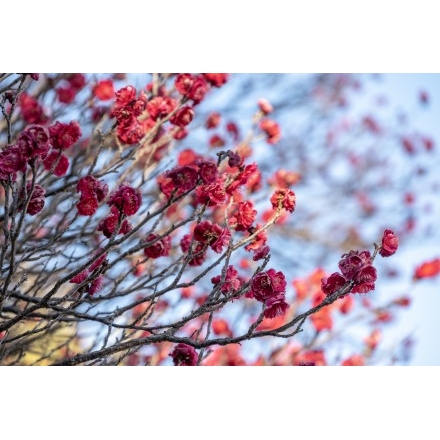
(357, 267)
(157, 247)
(124, 201)
(269, 287)
(127, 108)
(92, 193)
(137, 113)
(36, 145)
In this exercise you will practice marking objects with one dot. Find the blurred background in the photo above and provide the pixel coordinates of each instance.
(422, 317)
(363, 156)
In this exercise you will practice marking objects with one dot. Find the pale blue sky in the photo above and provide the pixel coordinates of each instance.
(423, 316)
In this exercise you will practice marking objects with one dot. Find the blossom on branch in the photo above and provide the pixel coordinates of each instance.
(184, 355)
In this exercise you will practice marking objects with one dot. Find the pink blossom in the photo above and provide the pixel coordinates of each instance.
(352, 262)
(95, 285)
(36, 201)
(60, 162)
(108, 224)
(126, 198)
(284, 198)
(159, 248)
(31, 110)
(33, 141)
(365, 279)
(213, 193)
(244, 216)
(390, 243)
(160, 107)
(216, 79)
(272, 130)
(276, 306)
(183, 83)
(87, 205)
(267, 284)
(198, 90)
(12, 160)
(184, 355)
(208, 171)
(63, 136)
(333, 283)
(231, 283)
(183, 116)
